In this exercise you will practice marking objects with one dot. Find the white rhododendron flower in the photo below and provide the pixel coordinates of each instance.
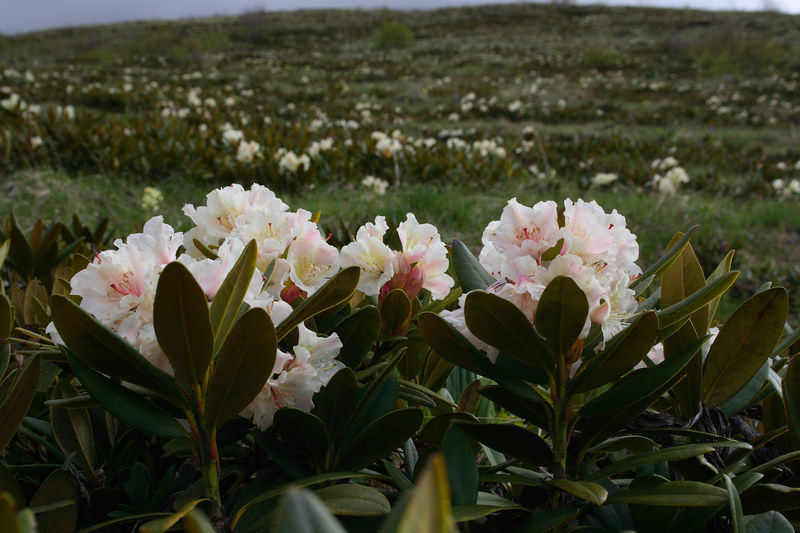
(423, 247)
(374, 257)
(119, 286)
(604, 178)
(248, 151)
(527, 248)
(420, 264)
(312, 261)
(296, 378)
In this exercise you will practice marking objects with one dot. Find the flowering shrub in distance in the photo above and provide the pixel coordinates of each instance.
(533, 386)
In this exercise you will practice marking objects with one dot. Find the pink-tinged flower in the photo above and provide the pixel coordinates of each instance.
(368, 252)
(598, 253)
(312, 261)
(297, 377)
(423, 248)
(521, 231)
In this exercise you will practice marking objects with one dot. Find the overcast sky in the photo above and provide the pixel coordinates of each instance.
(28, 15)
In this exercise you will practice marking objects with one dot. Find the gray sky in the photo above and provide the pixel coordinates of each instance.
(28, 15)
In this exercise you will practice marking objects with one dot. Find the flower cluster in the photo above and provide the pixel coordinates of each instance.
(421, 264)
(119, 286)
(528, 247)
(674, 176)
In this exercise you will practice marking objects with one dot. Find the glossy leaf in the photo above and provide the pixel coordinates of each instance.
(305, 432)
(672, 494)
(511, 440)
(791, 398)
(499, 323)
(380, 438)
(302, 512)
(125, 404)
(447, 342)
(428, 506)
(228, 299)
(349, 499)
(737, 516)
(16, 406)
(591, 492)
(358, 333)
(105, 351)
(72, 428)
(632, 462)
(469, 271)
(769, 522)
(6, 319)
(743, 345)
(533, 412)
(307, 481)
(161, 525)
(182, 324)
(624, 352)
(395, 312)
(57, 487)
(625, 401)
(338, 289)
(723, 268)
(462, 470)
(561, 314)
(665, 261)
(335, 402)
(245, 363)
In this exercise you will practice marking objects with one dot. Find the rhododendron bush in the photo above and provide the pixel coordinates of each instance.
(248, 375)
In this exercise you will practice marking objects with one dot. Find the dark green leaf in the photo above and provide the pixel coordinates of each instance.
(182, 324)
(791, 398)
(244, 365)
(380, 438)
(673, 494)
(125, 404)
(353, 500)
(591, 492)
(641, 385)
(764, 497)
(302, 512)
(499, 323)
(16, 406)
(743, 345)
(675, 453)
(447, 342)
(511, 440)
(395, 312)
(469, 271)
(626, 400)
(106, 352)
(462, 470)
(561, 314)
(335, 402)
(427, 508)
(623, 353)
(737, 516)
(72, 428)
(57, 487)
(338, 289)
(673, 252)
(533, 412)
(769, 522)
(358, 333)
(226, 303)
(542, 521)
(305, 432)
(723, 268)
